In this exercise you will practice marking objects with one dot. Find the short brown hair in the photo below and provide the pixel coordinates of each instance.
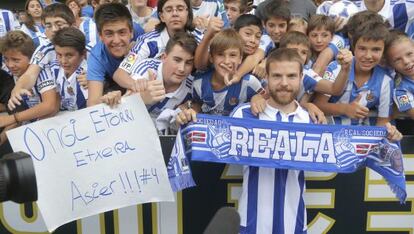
(359, 18)
(226, 39)
(184, 40)
(395, 36)
(58, 10)
(17, 40)
(70, 37)
(294, 37)
(282, 55)
(375, 31)
(321, 21)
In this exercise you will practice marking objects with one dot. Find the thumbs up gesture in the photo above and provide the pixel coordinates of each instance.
(154, 91)
(354, 110)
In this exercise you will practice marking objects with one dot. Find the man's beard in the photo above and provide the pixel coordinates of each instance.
(284, 100)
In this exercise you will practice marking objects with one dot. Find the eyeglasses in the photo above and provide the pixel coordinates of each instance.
(58, 25)
(178, 9)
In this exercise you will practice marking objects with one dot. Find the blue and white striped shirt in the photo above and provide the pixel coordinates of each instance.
(222, 102)
(272, 199)
(376, 94)
(404, 93)
(7, 22)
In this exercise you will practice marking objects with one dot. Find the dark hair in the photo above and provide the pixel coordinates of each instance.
(294, 37)
(321, 21)
(111, 12)
(17, 40)
(283, 54)
(277, 9)
(247, 20)
(187, 27)
(77, 3)
(244, 5)
(184, 40)
(30, 24)
(359, 18)
(375, 31)
(59, 10)
(70, 37)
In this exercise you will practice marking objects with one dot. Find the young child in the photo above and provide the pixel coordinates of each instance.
(54, 17)
(400, 55)
(298, 24)
(250, 29)
(210, 91)
(43, 101)
(320, 31)
(234, 9)
(70, 50)
(367, 98)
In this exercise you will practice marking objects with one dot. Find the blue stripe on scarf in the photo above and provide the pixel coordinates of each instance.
(332, 148)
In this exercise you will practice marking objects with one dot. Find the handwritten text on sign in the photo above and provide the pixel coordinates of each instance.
(94, 160)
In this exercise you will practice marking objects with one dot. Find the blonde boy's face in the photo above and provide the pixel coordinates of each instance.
(54, 24)
(401, 57)
(319, 38)
(276, 28)
(232, 10)
(225, 61)
(251, 35)
(302, 50)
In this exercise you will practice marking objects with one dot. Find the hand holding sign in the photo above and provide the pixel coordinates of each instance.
(94, 160)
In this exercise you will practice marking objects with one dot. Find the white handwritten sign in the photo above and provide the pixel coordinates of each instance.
(94, 160)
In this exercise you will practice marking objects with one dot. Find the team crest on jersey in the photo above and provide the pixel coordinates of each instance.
(340, 44)
(70, 90)
(233, 101)
(370, 97)
(403, 100)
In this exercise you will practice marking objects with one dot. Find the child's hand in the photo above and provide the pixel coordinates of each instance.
(260, 70)
(112, 98)
(201, 22)
(393, 133)
(229, 76)
(82, 80)
(214, 26)
(356, 111)
(154, 91)
(16, 97)
(257, 104)
(344, 58)
(186, 116)
(315, 113)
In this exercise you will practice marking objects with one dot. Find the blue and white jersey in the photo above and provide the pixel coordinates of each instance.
(339, 42)
(396, 12)
(173, 99)
(272, 199)
(7, 22)
(409, 30)
(32, 100)
(45, 5)
(87, 11)
(72, 95)
(376, 95)
(222, 102)
(141, 20)
(149, 45)
(101, 64)
(38, 37)
(266, 43)
(403, 93)
(88, 28)
(43, 55)
(212, 8)
(45, 81)
(310, 80)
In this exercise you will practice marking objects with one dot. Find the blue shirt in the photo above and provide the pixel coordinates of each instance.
(376, 95)
(222, 102)
(101, 64)
(403, 94)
